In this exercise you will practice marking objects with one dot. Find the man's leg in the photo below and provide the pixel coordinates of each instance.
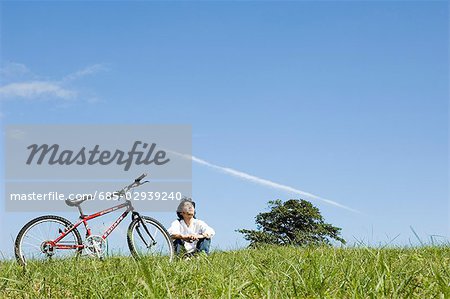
(178, 244)
(203, 245)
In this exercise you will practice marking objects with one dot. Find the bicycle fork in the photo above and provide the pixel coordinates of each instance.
(135, 215)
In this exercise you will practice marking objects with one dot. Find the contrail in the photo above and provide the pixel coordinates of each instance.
(264, 182)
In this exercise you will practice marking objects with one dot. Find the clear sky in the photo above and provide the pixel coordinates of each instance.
(346, 100)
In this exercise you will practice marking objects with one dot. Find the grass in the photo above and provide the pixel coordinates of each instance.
(269, 272)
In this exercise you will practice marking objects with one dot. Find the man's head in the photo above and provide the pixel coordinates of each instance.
(186, 208)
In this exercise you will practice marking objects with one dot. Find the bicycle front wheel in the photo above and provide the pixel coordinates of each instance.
(35, 240)
(148, 238)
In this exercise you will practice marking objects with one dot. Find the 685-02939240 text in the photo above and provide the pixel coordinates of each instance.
(97, 195)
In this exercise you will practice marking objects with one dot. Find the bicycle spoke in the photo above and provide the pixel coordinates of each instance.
(36, 238)
(33, 240)
(38, 247)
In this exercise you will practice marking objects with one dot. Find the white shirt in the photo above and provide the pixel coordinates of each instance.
(197, 227)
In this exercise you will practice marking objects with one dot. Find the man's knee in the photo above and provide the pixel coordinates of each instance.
(204, 245)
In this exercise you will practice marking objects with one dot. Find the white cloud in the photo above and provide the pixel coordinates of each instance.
(17, 134)
(89, 70)
(38, 89)
(35, 89)
(12, 69)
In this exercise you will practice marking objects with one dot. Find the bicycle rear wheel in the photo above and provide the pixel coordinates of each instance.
(149, 238)
(33, 243)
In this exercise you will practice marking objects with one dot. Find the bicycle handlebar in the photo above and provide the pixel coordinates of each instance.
(136, 183)
(140, 178)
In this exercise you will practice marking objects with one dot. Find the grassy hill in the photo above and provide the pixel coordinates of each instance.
(270, 272)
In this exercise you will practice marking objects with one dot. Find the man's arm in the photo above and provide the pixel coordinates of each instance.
(178, 236)
(175, 230)
(207, 231)
(175, 233)
(188, 238)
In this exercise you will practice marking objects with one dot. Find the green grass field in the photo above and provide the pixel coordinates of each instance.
(269, 272)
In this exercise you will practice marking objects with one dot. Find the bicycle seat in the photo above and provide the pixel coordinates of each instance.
(77, 202)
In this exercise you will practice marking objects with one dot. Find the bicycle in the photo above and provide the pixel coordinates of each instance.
(50, 236)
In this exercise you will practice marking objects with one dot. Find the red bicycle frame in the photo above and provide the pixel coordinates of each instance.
(85, 218)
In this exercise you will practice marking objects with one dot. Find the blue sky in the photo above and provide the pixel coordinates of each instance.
(345, 100)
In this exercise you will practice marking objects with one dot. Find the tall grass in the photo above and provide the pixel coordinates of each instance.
(269, 272)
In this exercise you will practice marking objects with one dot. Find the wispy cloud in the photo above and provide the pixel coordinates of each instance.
(39, 89)
(265, 182)
(11, 70)
(89, 70)
(35, 89)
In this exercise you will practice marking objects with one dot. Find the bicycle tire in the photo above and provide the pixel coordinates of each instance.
(19, 242)
(135, 241)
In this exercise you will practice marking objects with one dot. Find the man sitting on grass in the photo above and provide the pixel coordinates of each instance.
(188, 232)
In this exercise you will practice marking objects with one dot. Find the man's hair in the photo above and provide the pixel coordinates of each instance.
(180, 207)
